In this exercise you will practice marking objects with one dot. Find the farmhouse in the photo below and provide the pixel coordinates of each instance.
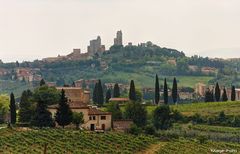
(79, 101)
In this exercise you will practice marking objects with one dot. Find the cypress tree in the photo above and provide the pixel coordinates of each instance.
(25, 107)
(132, 91)
(64, 114)
(224, 95)
(94, 97)
(208, 95)
(157, 94)
(42, 82)
(12, 109)
(233, 94)
(108, 95)
(100, 97)
(42, 117)
(116, 91)
(165, 91)
(174, 91)
(217, 92)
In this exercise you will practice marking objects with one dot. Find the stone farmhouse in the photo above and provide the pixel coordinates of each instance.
(79, 101)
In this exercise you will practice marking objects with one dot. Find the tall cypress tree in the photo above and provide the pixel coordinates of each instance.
(165, 91)
(116, 91)
(100, 97)
(64, 114)
(12, 109)
(233, 94)
(132, 91)
(217, 92)
(224, 95)
(174, 91)
(25, 107)
(108, 95)
(94, 97)
(157, 94)
(42, 82)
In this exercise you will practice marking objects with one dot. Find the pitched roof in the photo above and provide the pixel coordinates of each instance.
(72, 105)
(95, 111)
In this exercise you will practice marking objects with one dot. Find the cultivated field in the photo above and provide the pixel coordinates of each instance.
(60, 141)
(184, 146)
(205, 109)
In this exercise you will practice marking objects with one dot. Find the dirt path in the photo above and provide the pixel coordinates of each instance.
(153, 148)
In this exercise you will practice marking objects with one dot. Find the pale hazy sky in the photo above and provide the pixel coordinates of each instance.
(32, 29)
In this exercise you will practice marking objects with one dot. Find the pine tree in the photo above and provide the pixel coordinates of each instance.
(12, 109)
(224, 95)
(108, 95)
(64, 114)
(217, 92)
(116, 91)
(174, 91)
(165, 91)
(94, 97)
(100, 97)
(132, 91)
(42, 82)
(25, 107)
(157, 94)
(233, 94)
(42, 117)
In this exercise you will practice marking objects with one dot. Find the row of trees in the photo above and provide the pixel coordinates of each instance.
(165, 91)
(216, 95)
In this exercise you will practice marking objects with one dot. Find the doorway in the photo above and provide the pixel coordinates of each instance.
(92, 127)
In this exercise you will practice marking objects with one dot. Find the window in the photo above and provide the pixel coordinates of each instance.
(90, 118)
(94, 118)
(103, 117)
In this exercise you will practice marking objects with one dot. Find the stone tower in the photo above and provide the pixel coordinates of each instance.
(118, 40)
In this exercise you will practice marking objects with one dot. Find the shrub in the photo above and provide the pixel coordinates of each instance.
(150, 129)
(202, 139)
(236, 121)
(197, 118)
(177, 116)
(162, 117)
(135, 130)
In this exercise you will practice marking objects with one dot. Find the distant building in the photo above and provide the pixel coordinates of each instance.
(119, 100)
(130, 44)
(209, 70)
(122, 125)
(96, 46)
(51, 84)
(229, 92)
(86, 83)
(27, 74)
(118, 40)
(75, 55)
(76, 94)
(122, 87)
(200, 89)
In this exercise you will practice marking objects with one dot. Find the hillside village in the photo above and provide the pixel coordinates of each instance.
(142, 92)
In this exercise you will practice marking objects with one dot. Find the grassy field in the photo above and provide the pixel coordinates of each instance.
(148, 80)
(205, 109)
(184, 146)
(60, 141)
